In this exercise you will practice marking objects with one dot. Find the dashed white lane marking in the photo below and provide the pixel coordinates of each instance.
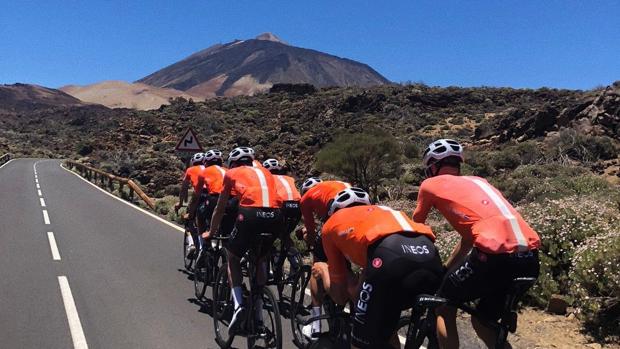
(36, 180)
(53, 246)
(75, 326)
(39, 191)
(46, 217)
(172, 225)
(38, 186)
(42, 202)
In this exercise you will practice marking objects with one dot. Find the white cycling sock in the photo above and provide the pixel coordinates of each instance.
(237, 296)
(316, 324)
(190, 240)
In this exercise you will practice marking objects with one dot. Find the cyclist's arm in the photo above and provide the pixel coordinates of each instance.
(308, 217)
(339, 276)
(423, 206)
(460, 251)
(220, 207)
(193, 205)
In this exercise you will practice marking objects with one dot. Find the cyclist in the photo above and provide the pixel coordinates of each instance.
(285, 186)
(496, 244)
(399, 261)
(316, 196)
(210, 182)
(259, 212)
(191, 178)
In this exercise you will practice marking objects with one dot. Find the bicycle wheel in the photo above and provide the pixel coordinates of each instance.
(206, 273)
(187, 261)
(419, 331)
(222, 307)
(272, 335)
(301, 305)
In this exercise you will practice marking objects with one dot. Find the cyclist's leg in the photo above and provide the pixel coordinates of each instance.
(463, 282)
(205, 216)
(317, 292)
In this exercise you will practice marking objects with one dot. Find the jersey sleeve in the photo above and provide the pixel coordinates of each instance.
(228, 183)
(306, 213)
(337, 265)
(424, 204)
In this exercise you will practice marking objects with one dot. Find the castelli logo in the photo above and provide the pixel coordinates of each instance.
(377, 263)
(240, 217)
(485, 202)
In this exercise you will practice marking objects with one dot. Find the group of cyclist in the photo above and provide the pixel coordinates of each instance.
(395, 252)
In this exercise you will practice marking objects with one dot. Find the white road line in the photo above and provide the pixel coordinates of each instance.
(46, 217)
(75, 326)
(36, 180)
(172, 225)
(38, 186)
(6, 163)
(42, 202)
(53, 246)
(39, 191)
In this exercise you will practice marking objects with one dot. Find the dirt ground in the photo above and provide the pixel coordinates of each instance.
(536, 330)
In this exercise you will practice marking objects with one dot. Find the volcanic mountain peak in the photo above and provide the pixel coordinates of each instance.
(270, 37)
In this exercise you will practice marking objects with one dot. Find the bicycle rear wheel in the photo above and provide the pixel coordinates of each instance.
(301, 305)
(419, 331)
(270, 314)
(222, 307)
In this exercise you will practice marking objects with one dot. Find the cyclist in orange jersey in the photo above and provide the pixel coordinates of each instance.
(190, 177)
(285, 186)
(315, 201)
(496, 245)
(399, 261)
(259, 212)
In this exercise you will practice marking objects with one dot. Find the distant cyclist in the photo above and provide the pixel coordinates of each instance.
(315, 200)
(191, 177)
(496, 245)
(210, 183)
(259, 212)
(285, 186)
(399, 261)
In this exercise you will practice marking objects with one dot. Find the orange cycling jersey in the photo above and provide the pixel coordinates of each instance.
(315, 200)
(213, 178)
(286, 189)
(348, 233)
(477, 211)
(253, 186)
(192, 174)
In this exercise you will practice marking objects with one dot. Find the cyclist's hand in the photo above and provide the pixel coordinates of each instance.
(185, 216)
(177, 207)
(318, 269)
(206, 234)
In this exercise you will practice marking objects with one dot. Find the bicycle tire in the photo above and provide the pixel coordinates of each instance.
(206, 274)
(222, 308)
(300, 305)
(187, 262)
(274, 335)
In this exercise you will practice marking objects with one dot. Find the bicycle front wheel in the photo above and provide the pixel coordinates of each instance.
(271, 336)
(301, 304)
(222, 308)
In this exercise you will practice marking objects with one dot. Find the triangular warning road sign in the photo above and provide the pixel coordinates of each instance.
(189, 142)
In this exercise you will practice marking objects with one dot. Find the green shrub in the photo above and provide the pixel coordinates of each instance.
(581, 147)
(595, 285)
(564, 225)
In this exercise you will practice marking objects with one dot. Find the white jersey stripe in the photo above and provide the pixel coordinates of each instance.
(221, 170)
(400, 218)
(497, 200)
(263, 184)
(287, 186)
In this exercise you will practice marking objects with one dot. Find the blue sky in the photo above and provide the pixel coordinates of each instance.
(565, 44)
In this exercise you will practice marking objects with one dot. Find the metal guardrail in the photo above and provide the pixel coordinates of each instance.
(5, 158)
(95, 175)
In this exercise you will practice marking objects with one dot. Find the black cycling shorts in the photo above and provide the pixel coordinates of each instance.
(399, 267)
(250, 223)
(291, 212)
(488, 277)
(206, 208)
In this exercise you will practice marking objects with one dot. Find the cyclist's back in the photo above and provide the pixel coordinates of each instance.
(315, 201)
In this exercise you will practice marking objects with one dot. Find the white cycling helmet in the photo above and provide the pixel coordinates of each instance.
(239, 153)
(198, 159)
(272, 165)
(441, 149)
(213, 155)
(309, 183)
(349, 197)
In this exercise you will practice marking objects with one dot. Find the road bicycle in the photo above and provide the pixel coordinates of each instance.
(189, 257)
(421, 323)
(207, 265)
(270, 334)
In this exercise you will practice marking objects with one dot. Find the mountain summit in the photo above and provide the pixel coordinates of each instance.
(254, 65)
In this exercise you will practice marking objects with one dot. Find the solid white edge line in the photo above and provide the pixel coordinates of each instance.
(172, 225)
(75, 326)
(39, 192)
(53, 246)
(46, 217)
(42, 202)
(6, 163)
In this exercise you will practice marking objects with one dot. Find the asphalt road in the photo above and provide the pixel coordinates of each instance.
(118, 282)
(82, 269)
